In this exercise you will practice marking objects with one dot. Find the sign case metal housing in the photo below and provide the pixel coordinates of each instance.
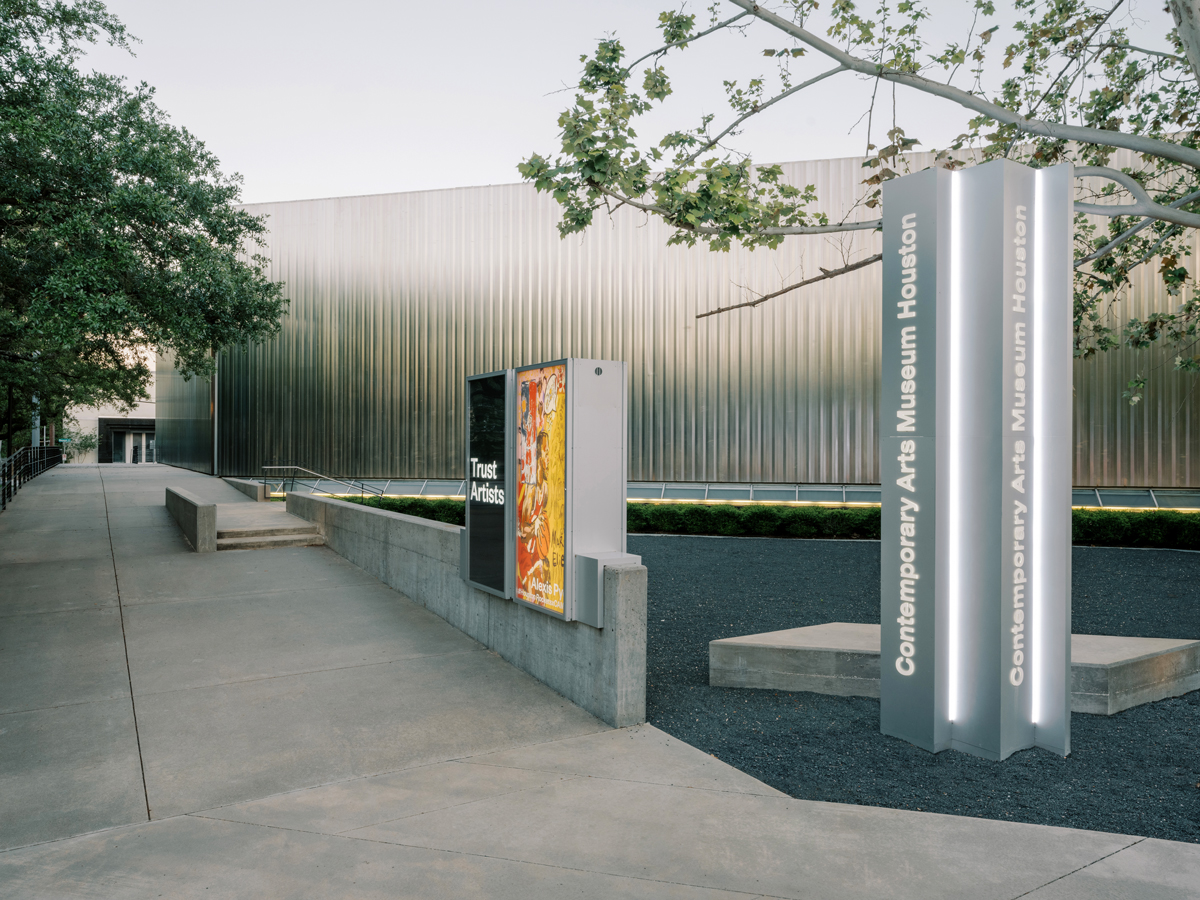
(571, 462)
(975, 459)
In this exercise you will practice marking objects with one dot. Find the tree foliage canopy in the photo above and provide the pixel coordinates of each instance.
(119, 234)
(1060, 82)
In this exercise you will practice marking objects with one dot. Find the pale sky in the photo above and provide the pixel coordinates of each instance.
(367, 96)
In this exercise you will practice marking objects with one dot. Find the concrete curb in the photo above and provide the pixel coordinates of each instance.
(255, 490)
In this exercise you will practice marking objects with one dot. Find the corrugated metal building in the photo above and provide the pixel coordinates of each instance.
(396, 298)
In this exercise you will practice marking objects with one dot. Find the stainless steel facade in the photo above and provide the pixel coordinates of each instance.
(396, 298)
(183, 418)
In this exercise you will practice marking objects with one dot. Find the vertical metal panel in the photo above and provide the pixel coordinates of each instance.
(1152, 442)
(396, 298)
(183, 418)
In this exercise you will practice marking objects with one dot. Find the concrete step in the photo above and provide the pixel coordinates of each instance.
(1108, 673)
(264, 530)
(270, 541)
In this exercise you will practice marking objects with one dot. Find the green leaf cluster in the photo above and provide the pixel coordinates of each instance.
(717, 199)
(1066, 62)
(120, 236)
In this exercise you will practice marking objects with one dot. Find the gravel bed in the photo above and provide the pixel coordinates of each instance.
(1137, 772)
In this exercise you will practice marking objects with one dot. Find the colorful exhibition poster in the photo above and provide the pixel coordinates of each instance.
(542, 487)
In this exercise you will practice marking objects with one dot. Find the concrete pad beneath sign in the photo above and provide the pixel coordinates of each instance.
(1108, 674)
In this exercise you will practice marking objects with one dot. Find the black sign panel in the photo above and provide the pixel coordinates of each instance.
(487, 418)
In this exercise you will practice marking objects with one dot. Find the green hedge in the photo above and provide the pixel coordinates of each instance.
(1101, 527)
(452, 512)
(1162, 528)
(755, 520)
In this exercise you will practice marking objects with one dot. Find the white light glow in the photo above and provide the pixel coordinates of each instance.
(1037, 463)
(957, 414)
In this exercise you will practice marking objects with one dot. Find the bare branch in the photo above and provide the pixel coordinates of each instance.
(825, 274)
(1116, 46)
(869, 225)
(687, 40)
(1056, 130)
(1130, 232)
(759, 108)
(1144, 204)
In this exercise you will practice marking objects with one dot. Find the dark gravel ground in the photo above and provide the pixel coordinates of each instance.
(1137, 772)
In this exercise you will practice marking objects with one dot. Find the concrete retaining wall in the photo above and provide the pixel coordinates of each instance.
(197, 519)
(601, 670)
(255, 490)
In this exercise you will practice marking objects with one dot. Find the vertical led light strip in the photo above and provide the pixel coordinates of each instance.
(954, 544)
(1037, 466)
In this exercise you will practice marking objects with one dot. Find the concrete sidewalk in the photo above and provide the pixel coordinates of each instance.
(279, 724)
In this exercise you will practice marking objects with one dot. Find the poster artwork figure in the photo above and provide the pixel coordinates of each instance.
(541, 451)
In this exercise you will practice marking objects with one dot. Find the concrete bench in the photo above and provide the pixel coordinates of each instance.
(197, 519)
(1108, 674)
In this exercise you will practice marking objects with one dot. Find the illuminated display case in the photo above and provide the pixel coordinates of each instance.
(546, 484)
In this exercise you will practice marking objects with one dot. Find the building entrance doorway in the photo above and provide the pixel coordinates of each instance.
(132, 447)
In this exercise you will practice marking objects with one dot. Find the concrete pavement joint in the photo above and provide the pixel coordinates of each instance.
(206, 814)
(562, 780)
(1080, 869)
(18, 712)
(749, 895)
(686, 787)
(301, 790)
(386, 662)
(55, 612)
(84, 834)
(161, 601)
(125, 643)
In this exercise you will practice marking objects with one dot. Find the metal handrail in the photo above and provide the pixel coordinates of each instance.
(360, 486)
(26, 463)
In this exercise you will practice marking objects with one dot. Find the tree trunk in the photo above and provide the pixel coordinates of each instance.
(1186, 14)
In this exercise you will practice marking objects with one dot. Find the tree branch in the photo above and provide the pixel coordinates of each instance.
(759, 108)
(1056, 130)
(687, 40)
(825, 274)
(869, 225)
(1144, 204)
(1115, 46)
(1128, 233)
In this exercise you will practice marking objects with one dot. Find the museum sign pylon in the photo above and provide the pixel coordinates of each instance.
(975, 420)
